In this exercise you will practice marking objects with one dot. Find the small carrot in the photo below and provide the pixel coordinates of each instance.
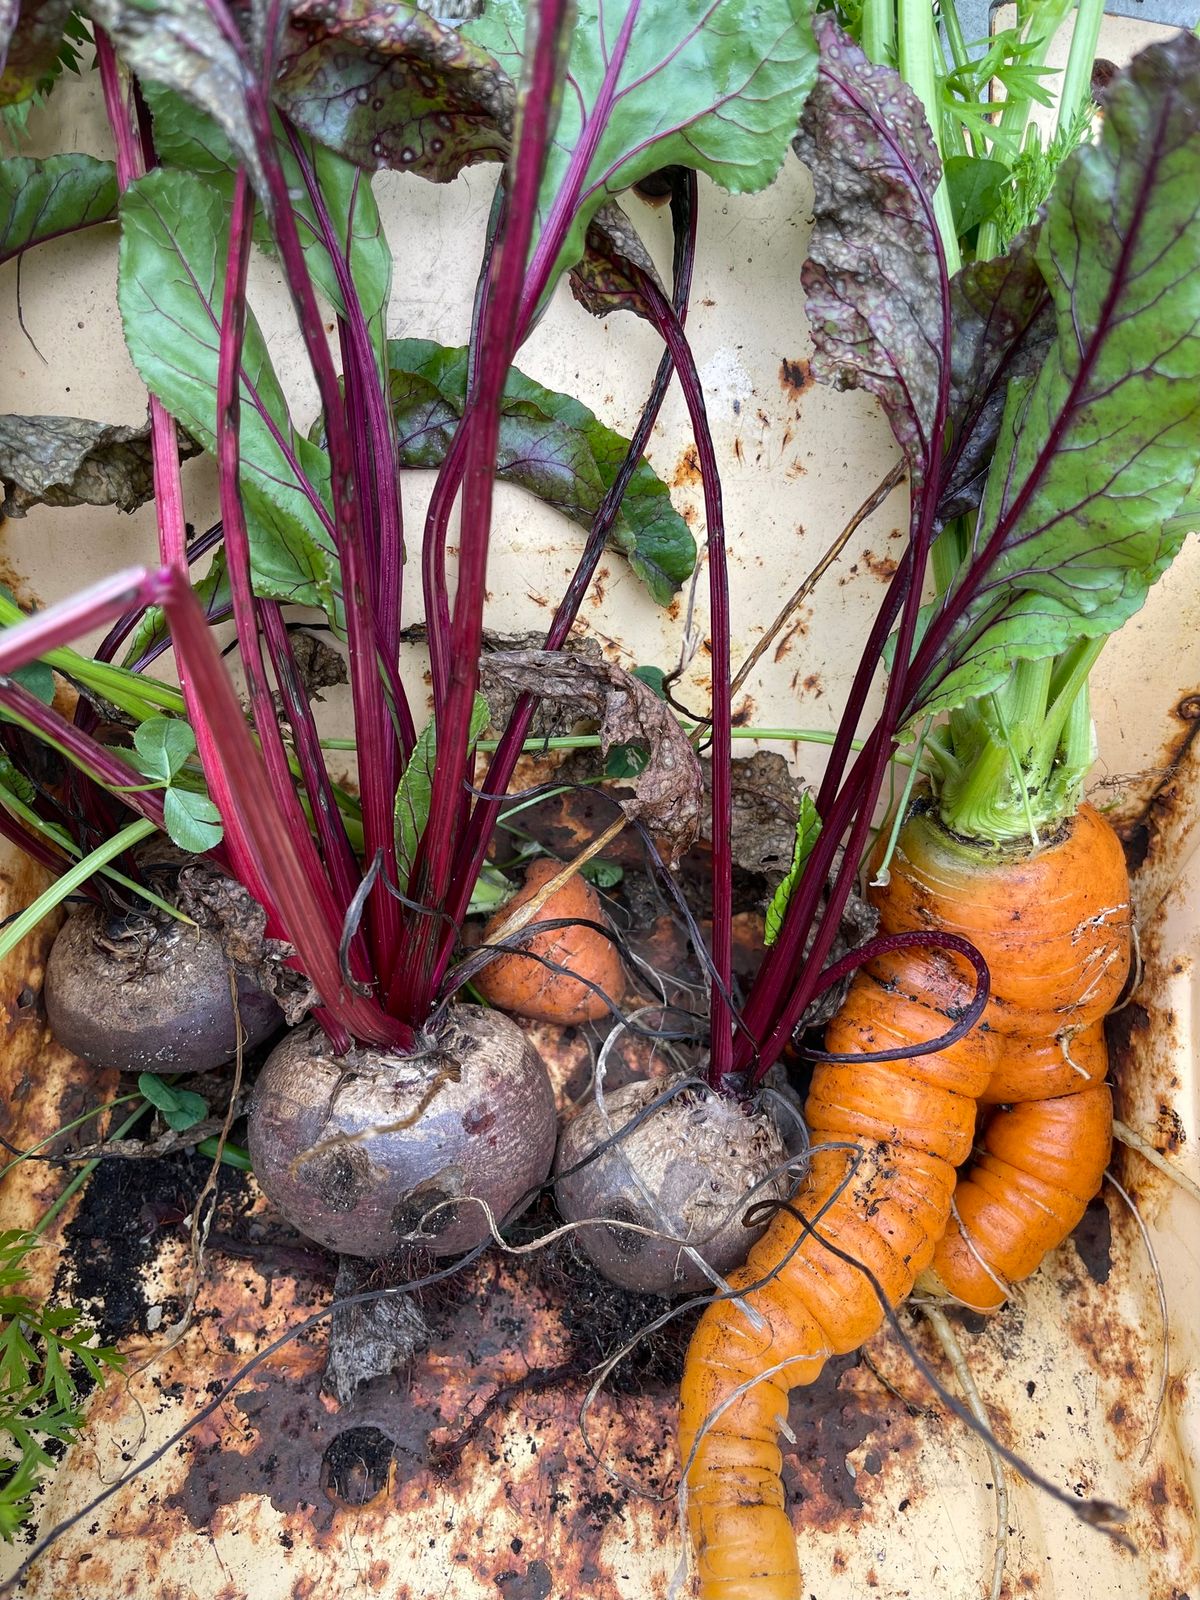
(1052, 924)
(523, 984)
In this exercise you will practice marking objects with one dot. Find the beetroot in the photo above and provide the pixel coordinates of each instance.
(149, 994)
(687, 1170)
(356, 1149)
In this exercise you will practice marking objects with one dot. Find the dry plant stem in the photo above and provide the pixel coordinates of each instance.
(1163, 1312)
(524, 915)
(948, 1340)
(1135, 1141)
(869, 506)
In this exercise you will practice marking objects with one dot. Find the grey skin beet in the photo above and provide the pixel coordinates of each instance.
(356, 1150)
(151, 998)
(700, 1157)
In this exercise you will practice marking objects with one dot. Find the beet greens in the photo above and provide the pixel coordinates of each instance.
(207, 167)
(1043, 501)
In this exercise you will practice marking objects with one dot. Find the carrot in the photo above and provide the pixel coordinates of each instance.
(1052, 924)
(1059, 951)
(526, 985)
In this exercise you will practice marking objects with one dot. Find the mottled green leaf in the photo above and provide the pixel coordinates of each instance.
(42, 200)
(873, 280)
(1102, 446)
(389, 86)
(808, 827)
(181, 44)
(551, 445)
(174, 235)
(713, 84)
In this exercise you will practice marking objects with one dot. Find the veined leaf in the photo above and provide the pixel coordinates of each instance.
(42, 200)
(808, 827)
(192, 820)
(180, 43)
(1003, 325)
(389, 86)
(164, 744)
(416, 788)
(711, 84)
(552, 446)
(1099, 449)
(174, 236)
(874, 278)
(974, 184)
(187, 137)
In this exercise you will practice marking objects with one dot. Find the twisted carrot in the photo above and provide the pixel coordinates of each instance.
(1053, 927)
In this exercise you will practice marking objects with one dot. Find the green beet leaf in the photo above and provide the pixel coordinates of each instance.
(415, 788)
(808, 827)
(551, 445)
(1101, 447)
(180, 1108)
(187, 137)
(42, 200)
(192, 820)
(712, 84)
(174, 235)
(165, 745)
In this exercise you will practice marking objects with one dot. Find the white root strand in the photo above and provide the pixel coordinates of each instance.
(1135, 1141)
(1162, 1307)
(948, 1340)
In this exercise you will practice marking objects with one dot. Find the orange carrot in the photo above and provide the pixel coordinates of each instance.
(527, 986)
(1040, 919)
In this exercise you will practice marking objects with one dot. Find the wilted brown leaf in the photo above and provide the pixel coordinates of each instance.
(668, 793)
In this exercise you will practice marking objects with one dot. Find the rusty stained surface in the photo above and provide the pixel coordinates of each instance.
(468, 1476)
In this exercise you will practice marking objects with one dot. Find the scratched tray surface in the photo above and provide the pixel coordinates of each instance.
(279, 1493)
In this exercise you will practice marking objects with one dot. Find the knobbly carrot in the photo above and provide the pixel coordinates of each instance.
(1053, 926)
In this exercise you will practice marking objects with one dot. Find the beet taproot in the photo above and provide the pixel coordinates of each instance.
(522, 984)
(145, 993)
(691, 1169)
(356, 1150)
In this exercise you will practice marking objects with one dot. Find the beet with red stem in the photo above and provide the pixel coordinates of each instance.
(357, 1151)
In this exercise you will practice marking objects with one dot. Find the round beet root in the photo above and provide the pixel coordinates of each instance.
(523, 984)
(354, 1150)
(698, 1157)
(149, 995)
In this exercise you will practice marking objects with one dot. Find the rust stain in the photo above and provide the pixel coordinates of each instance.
(795, 376)
(687, 469)
(881, 567)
